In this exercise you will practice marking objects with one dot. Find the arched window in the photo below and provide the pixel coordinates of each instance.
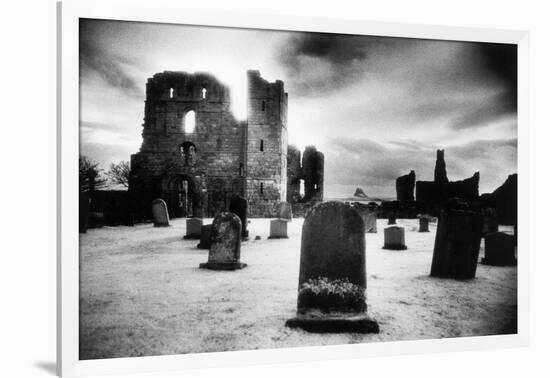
(171, 92)
(189, 122)
(261, 144)
(203, 92)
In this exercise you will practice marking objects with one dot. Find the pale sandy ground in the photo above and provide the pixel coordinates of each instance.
(142, 294)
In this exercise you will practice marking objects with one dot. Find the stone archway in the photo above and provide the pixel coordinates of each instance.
(183, 197)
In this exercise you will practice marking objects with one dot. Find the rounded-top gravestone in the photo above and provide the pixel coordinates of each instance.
(225, 243)
(239, 206)
(193, 228)
(394, 238)
(160, 213)
(332, 279)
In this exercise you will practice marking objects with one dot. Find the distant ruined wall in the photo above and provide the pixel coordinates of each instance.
(404, 187)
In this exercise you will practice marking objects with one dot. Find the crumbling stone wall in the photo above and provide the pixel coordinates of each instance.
(198, 171)
(310, 170)
(440, 190)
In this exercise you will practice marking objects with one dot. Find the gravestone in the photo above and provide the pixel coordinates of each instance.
(392, 220)
(490, 220)
(423, 223)
(499, 249)
(278, 229)
(369, 214)
(160, 213)
(239, 206)
(284, 211)
(394, 238)
(457, 242)
(225, 243)
(193, 228)
(205, 237)
(332, 279)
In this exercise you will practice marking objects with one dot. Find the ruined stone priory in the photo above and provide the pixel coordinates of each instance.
(196, 155)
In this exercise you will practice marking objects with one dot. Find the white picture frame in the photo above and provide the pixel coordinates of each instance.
(69, 13)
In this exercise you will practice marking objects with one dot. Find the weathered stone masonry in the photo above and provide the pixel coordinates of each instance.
(197, 171)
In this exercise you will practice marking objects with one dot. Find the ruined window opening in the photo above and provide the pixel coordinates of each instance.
(204, 93)
(261, 188)
(263, 106)
(315, 186)
(171, 92)
(241, 169)
(189, 122)
(188, 152)
(261, 144)
(302, 189)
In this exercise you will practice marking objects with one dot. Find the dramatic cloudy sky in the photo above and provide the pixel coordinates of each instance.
(377, 107)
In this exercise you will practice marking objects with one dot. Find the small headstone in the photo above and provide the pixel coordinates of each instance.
(284, 211)
(205, 237)
(424, 224)
(193, 228)
(490, 221)
(238, 206)
(278, 229)
(225, 243)
(457, 242)
(392, 220)
(394, 238)
(332, 280)
(160, 213)
(258, 237)
(499, 249)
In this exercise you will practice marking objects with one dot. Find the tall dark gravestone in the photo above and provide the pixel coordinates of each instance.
(332, 280)
(205, 237)
(457, 243)
(160, 213)
(499, 249)
(239, 205)
(424, 223)
(490, 220)
(225, 243)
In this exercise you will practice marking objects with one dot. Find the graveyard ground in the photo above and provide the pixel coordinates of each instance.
(142, 294)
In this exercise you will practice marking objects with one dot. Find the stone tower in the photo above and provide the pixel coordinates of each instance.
(440, 172)
(266, 144)
(195, 154)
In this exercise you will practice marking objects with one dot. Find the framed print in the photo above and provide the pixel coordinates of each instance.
(265, 189)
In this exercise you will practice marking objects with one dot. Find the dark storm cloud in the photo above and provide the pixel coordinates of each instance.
(97, 58)
(323, 61)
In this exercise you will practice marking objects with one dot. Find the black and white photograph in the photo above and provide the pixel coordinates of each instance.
(244, 189)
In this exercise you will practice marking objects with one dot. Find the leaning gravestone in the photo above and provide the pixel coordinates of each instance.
(394, 238)
(457, 242)
(332, 280)
(284, 211)
(205, 237)
(490, 220)
(424, 223)
(499, 249)
(193, 228)
(160, 213)
(278, 229)
(238, 206)
(225, 243)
